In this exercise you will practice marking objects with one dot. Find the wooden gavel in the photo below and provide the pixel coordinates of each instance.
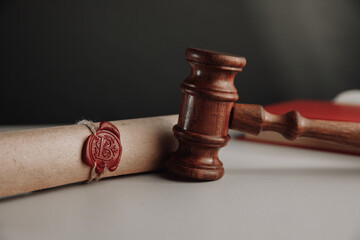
(208, 111)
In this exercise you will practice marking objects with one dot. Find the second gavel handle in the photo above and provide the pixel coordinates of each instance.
(253, 119)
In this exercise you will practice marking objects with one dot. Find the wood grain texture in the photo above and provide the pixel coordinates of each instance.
(207, 112)
(253, 119)
(208, 97)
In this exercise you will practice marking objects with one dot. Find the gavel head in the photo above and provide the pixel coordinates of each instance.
(208, 98)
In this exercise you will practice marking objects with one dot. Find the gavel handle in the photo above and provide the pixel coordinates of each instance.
(253, 119)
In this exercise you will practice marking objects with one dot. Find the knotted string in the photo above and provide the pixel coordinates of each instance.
(90, 124)
(93, 177)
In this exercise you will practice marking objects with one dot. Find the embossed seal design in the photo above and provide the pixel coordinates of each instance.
(103, 149)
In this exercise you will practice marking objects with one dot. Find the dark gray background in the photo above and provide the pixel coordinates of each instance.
(107, 60)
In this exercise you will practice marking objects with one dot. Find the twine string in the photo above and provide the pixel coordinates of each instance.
(90, 124)
(93, 177)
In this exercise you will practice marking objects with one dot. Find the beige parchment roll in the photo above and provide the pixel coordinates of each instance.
(43, 158)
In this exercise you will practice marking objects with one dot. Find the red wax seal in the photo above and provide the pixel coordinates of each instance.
(103, 149)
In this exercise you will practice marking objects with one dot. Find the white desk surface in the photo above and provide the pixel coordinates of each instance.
(268, 192)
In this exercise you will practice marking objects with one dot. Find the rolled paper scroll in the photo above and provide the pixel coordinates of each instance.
(43, 158)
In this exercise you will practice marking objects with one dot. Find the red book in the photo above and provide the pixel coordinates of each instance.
(323, 110)
(312, 109)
